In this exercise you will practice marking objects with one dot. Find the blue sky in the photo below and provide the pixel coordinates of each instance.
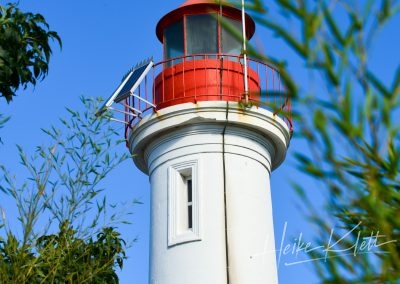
(101, 41)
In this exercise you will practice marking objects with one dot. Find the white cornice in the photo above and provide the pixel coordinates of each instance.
(209, 117)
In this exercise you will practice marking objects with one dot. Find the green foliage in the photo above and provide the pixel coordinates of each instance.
(351, 128)
(74, 256)
(62, 258)
(13, 260)
(24, 49)
(62, 188)
(3, 121)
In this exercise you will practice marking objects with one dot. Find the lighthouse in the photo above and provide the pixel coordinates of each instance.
(208, 125)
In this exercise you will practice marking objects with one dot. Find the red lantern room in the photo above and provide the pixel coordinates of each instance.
(204, 59)
(202, 55)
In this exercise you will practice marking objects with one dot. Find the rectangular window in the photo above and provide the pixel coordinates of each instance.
(183, 203)
(189, 202)
(173, 42)
(230, 44)
(201, 34)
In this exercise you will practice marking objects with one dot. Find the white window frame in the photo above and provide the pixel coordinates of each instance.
(178, 230)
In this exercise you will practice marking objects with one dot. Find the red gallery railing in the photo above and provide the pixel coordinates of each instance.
(207, 77)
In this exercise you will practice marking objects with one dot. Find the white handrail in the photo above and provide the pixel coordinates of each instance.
(246, 83)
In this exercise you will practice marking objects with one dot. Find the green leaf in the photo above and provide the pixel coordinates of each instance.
(319, 120)
(378, 84)
(286, 36)
(333, 27)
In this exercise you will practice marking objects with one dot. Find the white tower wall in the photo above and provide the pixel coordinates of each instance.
(227, 153)
(251, 242)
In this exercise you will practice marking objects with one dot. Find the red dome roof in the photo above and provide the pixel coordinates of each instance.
(193, 2)
(203, 7)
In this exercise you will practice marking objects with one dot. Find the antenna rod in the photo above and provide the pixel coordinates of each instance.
(246, 85)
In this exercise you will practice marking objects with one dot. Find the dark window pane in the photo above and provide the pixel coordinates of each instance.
(229, 43)
(190, 220)
(201, 34)
(189, 198)
(189, 190)
(174, 40)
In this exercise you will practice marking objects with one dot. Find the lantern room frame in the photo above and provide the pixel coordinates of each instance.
(203, 73)
(223, 18)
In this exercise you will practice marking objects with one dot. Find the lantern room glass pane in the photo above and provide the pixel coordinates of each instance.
(201, 34)
(174, 45)
(230, 44)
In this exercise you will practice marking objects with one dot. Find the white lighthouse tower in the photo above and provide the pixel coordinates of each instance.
(206, 126)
